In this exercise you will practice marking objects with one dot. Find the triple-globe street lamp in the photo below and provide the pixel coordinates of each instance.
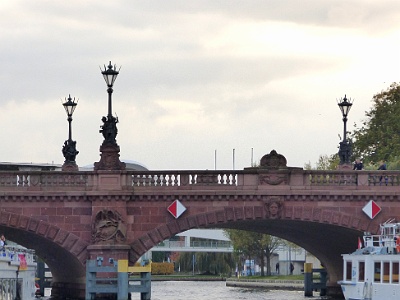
(345, 150)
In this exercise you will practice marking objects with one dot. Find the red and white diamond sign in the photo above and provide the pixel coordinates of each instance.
(176, 209)
(371, 209)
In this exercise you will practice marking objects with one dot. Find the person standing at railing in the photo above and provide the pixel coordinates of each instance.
(383, 167)
(358, 165)
(2, 241)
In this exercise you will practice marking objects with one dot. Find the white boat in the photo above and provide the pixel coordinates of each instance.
(17, 273)
(372, 271)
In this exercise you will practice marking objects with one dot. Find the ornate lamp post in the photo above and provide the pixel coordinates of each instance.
(345, 150)
(69, 149)
(109, 148)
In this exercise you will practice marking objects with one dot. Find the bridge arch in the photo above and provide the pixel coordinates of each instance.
(64, 252)
(323, 232)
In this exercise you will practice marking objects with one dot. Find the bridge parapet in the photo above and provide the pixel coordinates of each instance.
(252, 178)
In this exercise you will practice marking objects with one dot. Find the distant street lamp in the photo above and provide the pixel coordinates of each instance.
(69, 149)
(109, 128)
(345, 150)
(109, 148)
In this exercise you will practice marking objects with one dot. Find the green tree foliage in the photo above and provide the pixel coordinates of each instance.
(378, 138)
(254, 245)
(324, 162)
(159, 256)
(206, 263)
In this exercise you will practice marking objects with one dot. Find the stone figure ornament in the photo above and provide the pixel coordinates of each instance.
(109, 129)
(69, 151)
(108, 227)
(273, 160)
(274, 207)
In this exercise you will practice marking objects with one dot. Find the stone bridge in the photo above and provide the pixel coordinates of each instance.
(69, 217)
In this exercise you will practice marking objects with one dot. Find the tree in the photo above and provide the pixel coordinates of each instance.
(206, 262)
(378, 138)
(324, 162)
(254, 244)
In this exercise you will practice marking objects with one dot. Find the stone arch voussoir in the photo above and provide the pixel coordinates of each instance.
(330, 217)
(68, 241)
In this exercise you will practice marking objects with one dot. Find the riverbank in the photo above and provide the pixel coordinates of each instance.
(187, 278)
(285, 284)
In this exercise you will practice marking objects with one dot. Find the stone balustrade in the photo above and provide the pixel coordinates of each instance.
(242, 179)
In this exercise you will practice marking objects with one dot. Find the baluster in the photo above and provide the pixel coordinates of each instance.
(395, 180)
(193, 178)
(156, 180)
(170, 179)
(373, 179)
(26, 180)
(164, 179)
(139, 180)
(20, 181)
(133, 180)
(233, 181)
(176, 181)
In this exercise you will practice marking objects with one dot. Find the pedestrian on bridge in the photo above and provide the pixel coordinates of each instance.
(358, 165)
(2, 241)
(382, 167)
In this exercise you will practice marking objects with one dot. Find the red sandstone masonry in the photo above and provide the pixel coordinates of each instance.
(72, 219)
(64, 214)
(64, 211)
(45, 211)
(82, 211)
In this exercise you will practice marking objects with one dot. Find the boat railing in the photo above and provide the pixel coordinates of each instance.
(377, 241)
(13, 254)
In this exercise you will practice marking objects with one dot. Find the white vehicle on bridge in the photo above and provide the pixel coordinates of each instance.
(372, 271)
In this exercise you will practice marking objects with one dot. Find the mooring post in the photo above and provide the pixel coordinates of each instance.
(308, 280)
(123, 281)
(146, 284)
(323, 276)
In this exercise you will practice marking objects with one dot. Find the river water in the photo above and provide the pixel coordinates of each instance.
(217, 290)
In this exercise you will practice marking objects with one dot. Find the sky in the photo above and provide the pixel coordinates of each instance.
(203, 84)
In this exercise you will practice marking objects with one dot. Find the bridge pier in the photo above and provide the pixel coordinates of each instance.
(334, 291)
(68, 290)
(108, 254)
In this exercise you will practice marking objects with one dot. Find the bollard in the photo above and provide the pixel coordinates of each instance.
(308, 280)
(323, 275)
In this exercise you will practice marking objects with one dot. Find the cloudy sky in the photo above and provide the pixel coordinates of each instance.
(197, 77)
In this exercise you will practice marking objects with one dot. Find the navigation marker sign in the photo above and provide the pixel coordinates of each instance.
(176, 209)
(371, 209)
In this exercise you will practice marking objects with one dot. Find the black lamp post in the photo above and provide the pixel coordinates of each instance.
(345, 150)
(69, 149)
(109, 148)
(109, 128)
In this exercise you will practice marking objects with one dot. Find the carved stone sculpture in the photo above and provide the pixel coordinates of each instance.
(274, 207)
(108, 227)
